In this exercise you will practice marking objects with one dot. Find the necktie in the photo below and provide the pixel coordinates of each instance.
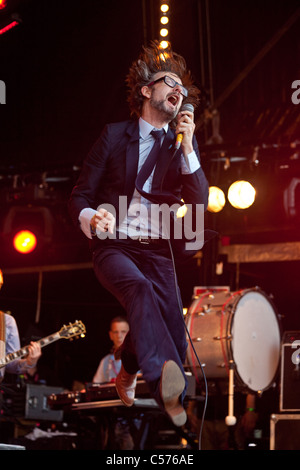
(149, 164)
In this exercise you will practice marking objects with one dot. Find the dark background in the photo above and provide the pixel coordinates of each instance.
(64, 68)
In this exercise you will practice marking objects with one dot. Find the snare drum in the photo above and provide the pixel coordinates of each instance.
(234, 327)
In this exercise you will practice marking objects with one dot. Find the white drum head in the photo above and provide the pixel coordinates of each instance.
(255, 341)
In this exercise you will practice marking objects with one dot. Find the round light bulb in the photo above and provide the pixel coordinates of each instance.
(216, 199)
(24, 241)
(241, 194)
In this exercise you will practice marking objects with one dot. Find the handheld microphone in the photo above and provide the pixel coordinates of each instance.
(185, 107)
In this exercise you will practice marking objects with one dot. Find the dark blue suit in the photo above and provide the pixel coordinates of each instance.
(140, 276)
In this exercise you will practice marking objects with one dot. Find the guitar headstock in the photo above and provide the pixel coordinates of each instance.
(73, 329)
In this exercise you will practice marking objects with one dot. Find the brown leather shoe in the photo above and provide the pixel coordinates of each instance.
(172, 384)
(125, 385)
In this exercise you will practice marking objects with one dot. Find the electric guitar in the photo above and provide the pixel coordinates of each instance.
(72, 330)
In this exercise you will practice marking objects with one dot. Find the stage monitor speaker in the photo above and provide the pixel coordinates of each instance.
(289, 399)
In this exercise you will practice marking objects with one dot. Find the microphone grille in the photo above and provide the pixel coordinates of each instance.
(187, 107)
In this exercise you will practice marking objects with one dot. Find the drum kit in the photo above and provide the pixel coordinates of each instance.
(234, 336)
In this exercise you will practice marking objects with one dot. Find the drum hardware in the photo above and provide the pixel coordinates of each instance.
(209, 290)
(219, 338)
(204, 310)
(227, 308)
(201, 313)
(221, 366)
(209, 296)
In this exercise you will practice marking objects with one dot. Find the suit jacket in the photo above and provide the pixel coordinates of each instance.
(110, 170)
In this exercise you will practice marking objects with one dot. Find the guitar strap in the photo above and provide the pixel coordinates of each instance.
(2, 336)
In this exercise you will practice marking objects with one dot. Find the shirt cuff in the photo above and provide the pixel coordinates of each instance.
(189, 164)
(26, 366)
(84, 219)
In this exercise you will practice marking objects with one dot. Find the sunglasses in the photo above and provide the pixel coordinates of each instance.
(171, 83)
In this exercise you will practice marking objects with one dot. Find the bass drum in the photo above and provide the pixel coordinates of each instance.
(239, 328)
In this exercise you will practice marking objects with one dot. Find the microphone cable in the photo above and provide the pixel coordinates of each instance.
(178, 296)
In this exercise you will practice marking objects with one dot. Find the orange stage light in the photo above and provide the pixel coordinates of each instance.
(25, 241)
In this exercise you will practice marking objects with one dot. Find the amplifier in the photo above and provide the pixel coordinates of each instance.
(36, 404)
(29, 401)
(289, 399)
(284, 432)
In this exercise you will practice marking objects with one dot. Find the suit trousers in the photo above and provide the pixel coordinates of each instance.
(143, 280)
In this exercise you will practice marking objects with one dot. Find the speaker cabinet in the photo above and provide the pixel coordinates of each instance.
(289, 400)
(285, 432)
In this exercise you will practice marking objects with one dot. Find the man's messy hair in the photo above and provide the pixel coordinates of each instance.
(154, 59)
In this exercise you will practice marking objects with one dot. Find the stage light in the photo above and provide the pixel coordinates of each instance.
(164, 7)
(24, 241)
(164, 20)
(241, 194)
(216, 199)
(181, 211)
(164, 44)
(164, 32)
(3, 4)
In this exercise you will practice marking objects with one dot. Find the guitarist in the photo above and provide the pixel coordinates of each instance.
(10, 342)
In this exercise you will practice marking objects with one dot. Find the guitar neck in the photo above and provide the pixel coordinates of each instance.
(24, 351)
